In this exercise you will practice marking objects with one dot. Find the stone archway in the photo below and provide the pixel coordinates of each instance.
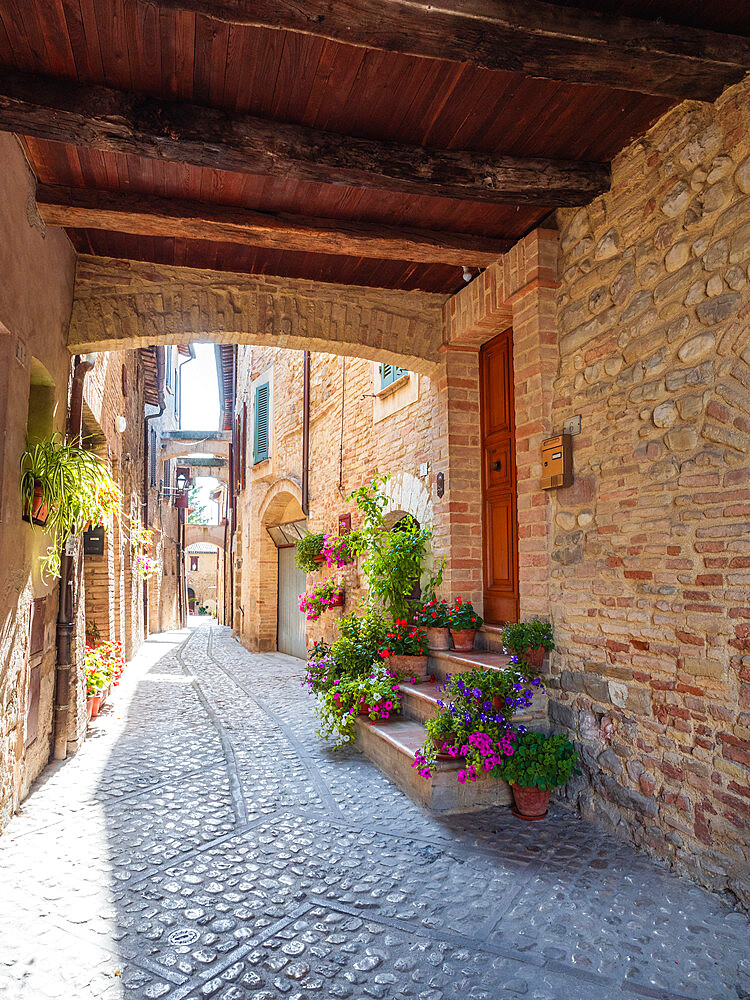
(123, 304)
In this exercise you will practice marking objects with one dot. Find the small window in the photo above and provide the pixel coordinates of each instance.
(262, 423)
(390, 374)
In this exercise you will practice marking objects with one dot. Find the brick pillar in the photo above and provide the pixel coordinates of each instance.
(535, 365)
(458, 514)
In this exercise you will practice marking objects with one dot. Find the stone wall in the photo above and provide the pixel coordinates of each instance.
(37, 268)
(650, 550)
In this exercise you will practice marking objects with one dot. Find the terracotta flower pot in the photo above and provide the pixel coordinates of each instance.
(498, 703)
(39, 509)
(409, 666)
(535, 657)
(531, 803)
(339, 602)
(96, 703)
(438, 638)
(319, 558)
(463, 639)
(89, 708)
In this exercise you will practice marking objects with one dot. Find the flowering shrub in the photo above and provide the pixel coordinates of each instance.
(433, 614)
(145, 566)
(325, 594)
(475, 722)
(463, 616)
(403, 640)
(95, 681)
(375, 695)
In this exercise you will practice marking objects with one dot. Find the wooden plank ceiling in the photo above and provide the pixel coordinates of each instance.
(361, 142)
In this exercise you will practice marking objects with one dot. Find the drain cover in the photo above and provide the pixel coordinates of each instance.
(184, 936)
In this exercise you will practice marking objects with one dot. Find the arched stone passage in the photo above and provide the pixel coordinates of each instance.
(211, 533)
(120, 305)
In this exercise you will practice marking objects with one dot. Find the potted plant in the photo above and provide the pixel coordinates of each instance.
(405, 650)
(77, 488)
(93, 635)
(94, 684)
(307, 553)
(325, 594)
(434, 618)
(464, 622)
(528, 641)
(539, 763)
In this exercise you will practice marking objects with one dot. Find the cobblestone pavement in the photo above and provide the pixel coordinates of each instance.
(206, 844)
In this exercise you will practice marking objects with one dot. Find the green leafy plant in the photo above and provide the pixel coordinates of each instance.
(306, 549)
(518, 637)
(360, 638)
(403, 639)
(540, 761)
(394, 558)
(197, 511)
(76, 485)
(462, 616)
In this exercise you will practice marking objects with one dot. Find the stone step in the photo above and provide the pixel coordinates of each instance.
(441, 663)
(391, 745)
(488, 639)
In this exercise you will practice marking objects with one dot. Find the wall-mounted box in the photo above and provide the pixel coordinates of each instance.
(557, 461)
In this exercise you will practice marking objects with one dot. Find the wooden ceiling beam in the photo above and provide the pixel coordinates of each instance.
(147, 215)
(526, 36)
(116, 121)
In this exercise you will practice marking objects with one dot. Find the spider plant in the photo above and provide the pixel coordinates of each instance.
(76, 486)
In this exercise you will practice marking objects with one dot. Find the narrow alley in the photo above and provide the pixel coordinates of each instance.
(205, 843)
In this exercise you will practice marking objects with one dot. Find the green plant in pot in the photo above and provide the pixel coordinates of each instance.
(76, 487)
(374, 695)
(464, 622)
(528, 641)
(539, 763)
(307, 551)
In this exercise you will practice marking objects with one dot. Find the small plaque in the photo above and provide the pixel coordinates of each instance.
(93, 542)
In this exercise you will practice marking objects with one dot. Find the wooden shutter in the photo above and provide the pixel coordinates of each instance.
(152, 457)
(262, 419)
(390, 374)
(243, 445)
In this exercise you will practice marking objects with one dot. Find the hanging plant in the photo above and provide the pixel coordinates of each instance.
(73, 484)
(145, 566)
(324, 595)
(307, 552)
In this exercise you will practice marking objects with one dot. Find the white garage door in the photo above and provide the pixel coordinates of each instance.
(291, 621)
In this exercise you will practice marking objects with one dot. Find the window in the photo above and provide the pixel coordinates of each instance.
(193, 563)
(390, 374)
(262, 423)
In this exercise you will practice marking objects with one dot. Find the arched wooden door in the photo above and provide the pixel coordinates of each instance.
(500, 527)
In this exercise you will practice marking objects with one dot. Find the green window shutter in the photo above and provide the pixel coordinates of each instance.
(262, 423)
(390, 374)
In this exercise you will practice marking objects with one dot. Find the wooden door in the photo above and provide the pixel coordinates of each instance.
(500, 527)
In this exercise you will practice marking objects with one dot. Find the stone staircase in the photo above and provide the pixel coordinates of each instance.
(391, 744)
